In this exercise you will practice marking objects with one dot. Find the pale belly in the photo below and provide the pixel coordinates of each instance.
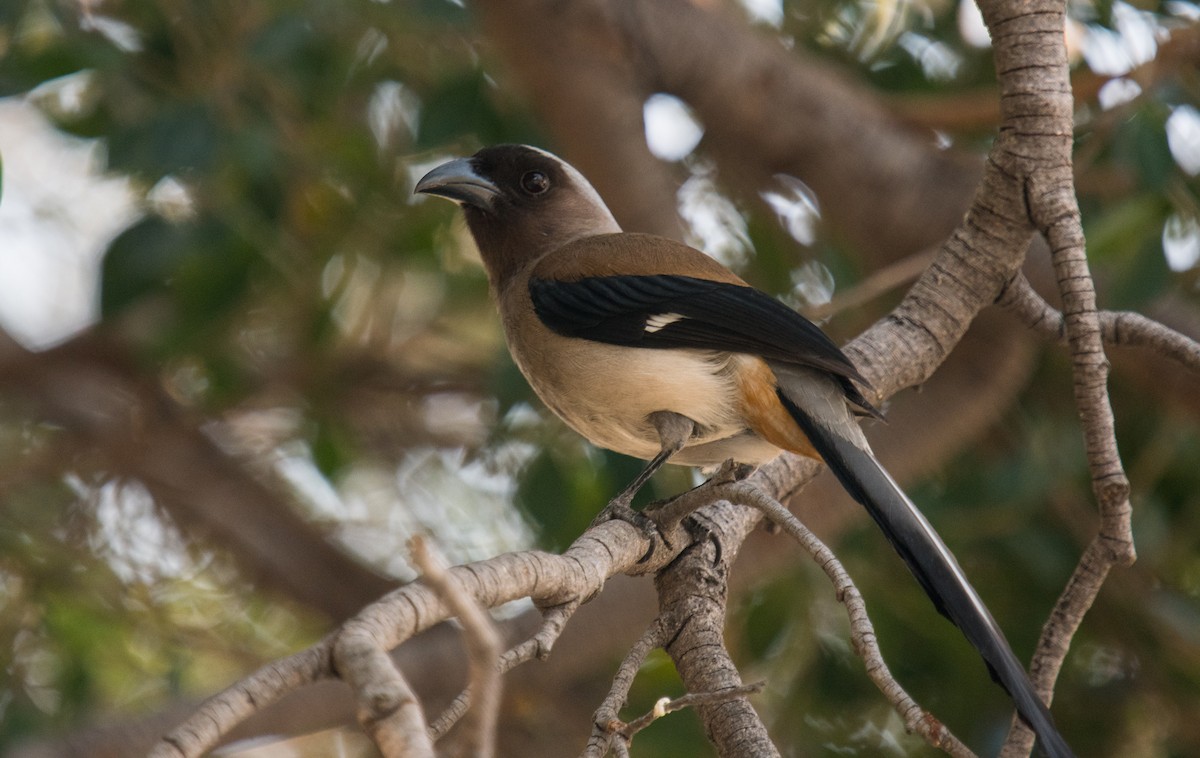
(607, 392)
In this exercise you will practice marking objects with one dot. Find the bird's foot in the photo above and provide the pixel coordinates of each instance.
(673, 510)
(728, 472)
(662, 516)
(620, 509)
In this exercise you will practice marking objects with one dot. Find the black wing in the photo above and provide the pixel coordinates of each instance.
(665, 311)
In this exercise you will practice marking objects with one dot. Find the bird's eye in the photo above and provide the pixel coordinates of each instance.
(535, 182)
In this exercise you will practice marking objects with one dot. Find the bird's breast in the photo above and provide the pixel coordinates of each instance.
(606, 393)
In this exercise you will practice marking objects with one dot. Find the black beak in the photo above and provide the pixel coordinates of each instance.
(458, 181)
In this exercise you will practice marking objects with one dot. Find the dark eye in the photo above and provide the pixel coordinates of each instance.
(535, 182)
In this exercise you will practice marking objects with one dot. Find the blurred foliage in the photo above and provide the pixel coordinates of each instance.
(281, 263)
(93, 627)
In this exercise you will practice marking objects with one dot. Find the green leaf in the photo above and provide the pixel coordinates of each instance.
(20, 73)
(332, 448)
(460, 108)
(211, 278)
(180, 137)
(1119, 231)
(139, 263)
(202, 267)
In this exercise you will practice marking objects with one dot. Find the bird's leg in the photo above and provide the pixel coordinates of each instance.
(674, 431)
(673, 510)
(729, 472)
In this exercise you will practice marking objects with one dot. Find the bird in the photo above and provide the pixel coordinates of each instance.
(651, 348)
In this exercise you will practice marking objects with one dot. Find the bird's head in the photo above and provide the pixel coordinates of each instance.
(520, 203)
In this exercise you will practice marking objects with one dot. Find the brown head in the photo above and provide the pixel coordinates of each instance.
(520, 203)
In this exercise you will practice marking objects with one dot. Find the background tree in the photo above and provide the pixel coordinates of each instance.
(294, 366)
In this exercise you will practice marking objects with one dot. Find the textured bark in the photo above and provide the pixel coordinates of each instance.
(353, 653)
(693, 592)
(1034, 149)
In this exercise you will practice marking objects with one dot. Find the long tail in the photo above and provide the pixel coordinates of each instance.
(844, 449)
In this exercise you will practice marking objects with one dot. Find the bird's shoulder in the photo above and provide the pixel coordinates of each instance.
(629, 254)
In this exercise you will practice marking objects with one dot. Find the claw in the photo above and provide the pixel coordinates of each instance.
(619, 509)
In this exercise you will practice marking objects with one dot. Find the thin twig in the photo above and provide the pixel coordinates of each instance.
(224, 710)
(862, 631)
(877, 283)
(667, 705)
(1117, 328)
(1035, 143)
(606, 730)
(388, 709)
(554, 620)
(483, 649)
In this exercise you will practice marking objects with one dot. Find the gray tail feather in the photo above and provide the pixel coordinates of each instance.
(932, 563)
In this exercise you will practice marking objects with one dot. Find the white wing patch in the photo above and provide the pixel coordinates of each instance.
(660, 321)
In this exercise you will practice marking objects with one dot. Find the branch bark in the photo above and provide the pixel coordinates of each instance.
(1034, 149)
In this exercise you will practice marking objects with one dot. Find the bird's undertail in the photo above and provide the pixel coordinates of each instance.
(928, 558)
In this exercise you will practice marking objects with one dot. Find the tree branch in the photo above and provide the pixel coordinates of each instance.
(608, 727)
(862, 631)
(1117, 328)
(483, 649)
(1034, 146)
(692, 593)
(580, 572)
(220, 714)
(669, 705)
(538, 646)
